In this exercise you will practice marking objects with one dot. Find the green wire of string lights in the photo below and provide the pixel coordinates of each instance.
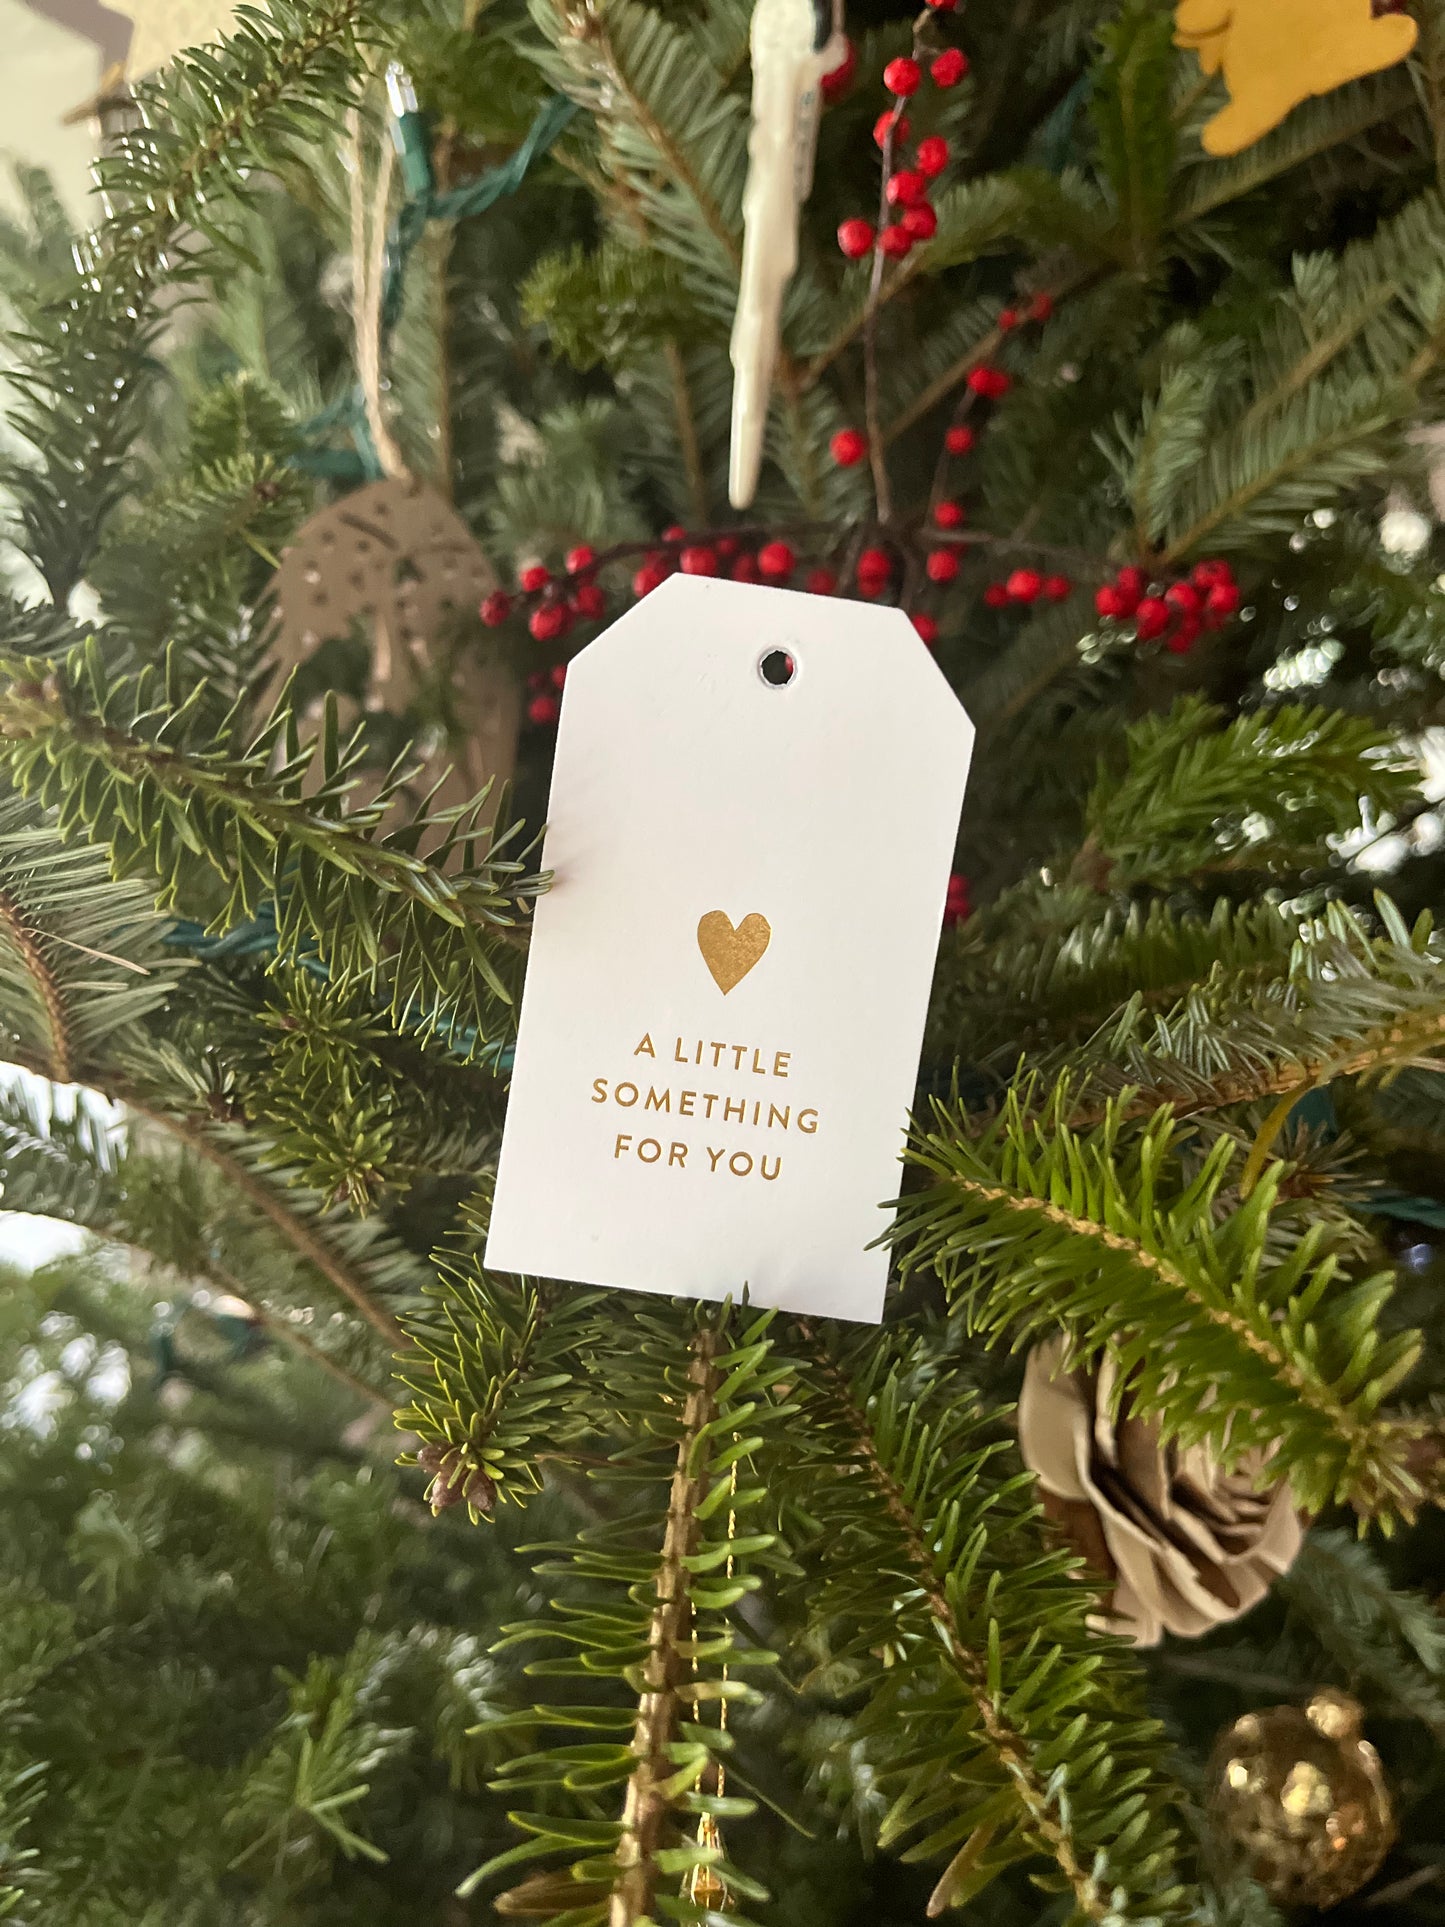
(422, 206)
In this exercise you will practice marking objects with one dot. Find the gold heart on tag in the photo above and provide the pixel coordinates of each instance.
(731, 951)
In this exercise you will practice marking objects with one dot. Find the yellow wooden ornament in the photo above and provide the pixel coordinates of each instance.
(1276, 53)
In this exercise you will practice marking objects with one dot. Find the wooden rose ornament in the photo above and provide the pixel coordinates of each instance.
(1187, 1545)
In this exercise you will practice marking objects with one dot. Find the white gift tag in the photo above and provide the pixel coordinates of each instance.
(727, 982)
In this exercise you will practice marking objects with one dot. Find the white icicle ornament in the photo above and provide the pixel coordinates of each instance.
(793, 44)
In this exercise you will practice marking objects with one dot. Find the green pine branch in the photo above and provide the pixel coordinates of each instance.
(1131, 110)
(57, 1164)
(82, 961)
(648, 1605)
(1012, 981)
(1002, 1727)
(1264, 792)
(1127, 1239)
(672, 140)
(78, 1167)
(1349, 1006)
(189, 563)
(296, 1807)
(224, 833)
(356, 1261)
(350, 1105)
(1208, 183)
(217, 118)
(1382, 1637)
(495, 1371)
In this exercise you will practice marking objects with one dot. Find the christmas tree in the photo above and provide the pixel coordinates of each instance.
(397, 362)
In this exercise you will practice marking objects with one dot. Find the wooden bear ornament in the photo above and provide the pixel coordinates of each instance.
(1276, 53)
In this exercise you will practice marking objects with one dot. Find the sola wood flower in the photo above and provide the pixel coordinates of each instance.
(1187, 1545)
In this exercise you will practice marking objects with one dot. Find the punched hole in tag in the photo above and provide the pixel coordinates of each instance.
(777, 668)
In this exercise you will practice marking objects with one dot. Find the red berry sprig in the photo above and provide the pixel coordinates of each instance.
(550, 603)
(986, 382)
(1173, 613)
(906, 188)
(1024, 587)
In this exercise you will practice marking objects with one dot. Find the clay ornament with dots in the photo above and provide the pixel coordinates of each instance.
(719, 1033)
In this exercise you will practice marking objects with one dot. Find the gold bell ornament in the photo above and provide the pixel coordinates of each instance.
(1300, 1797)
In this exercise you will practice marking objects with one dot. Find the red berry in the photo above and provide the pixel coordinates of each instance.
(855, 238)
(1220, 604)
(996, 596)
(558, 675)
(1057, 588)
(1204, 575)
(948, 515)
(495, 609)
(848, 447)
(582, 557)
(1024, 585)
(1041, 307)
(1152, 617)
(919, 223)
(874, 566)
(550, 620)
(990, 382)
(943, 6)
(543, 711)
(932, 155)
(891, 122)
(956, 904)
(836, 81)
(1183, 598)
(906, 188)
(1008, 318)
(698, 561)
(1184, 637)
(895, 241)
(949, 68)
(777, 561)
(1112, 603)
(821, 582)
(1133, 582)
(959, 439)
(536, 575)
(727, 546)
(647, 578)
(926, 627)
(677, 533)
(942, 565)
(745, 569)
(902, 76)
(589, 601)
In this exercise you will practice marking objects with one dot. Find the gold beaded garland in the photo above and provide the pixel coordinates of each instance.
(1301, 1798)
